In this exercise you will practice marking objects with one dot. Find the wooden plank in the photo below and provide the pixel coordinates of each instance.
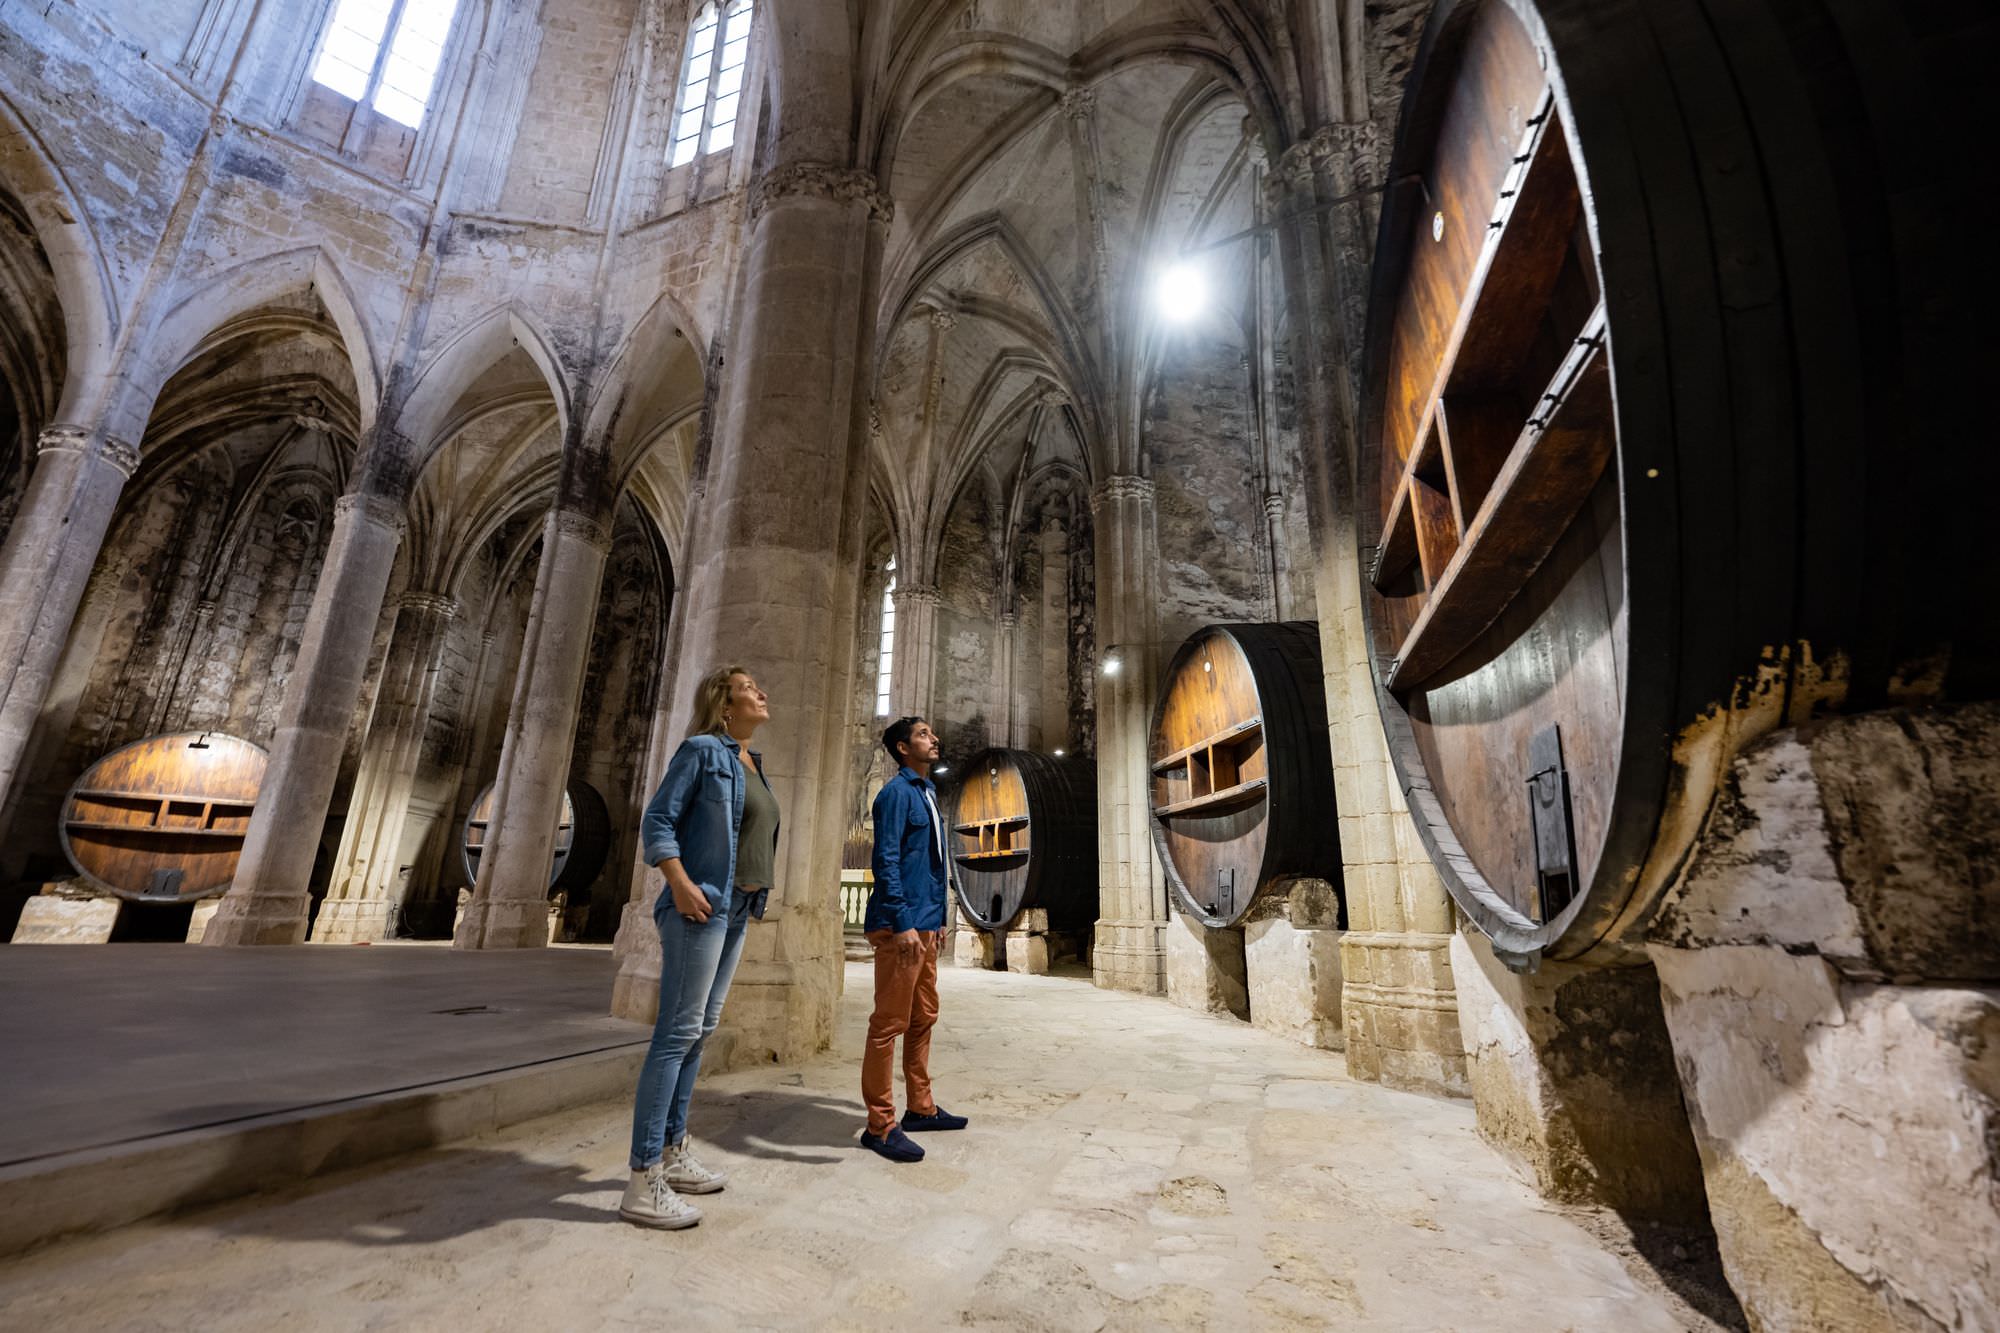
(1228, 797)
(1551, 469)
(1233, 735)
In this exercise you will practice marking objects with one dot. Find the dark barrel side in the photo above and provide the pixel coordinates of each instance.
(1024, 835)
(474, 836)
(1242, 790)
(1667, 438)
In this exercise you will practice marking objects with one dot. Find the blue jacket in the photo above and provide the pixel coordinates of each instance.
(695, 816)
(910, 876)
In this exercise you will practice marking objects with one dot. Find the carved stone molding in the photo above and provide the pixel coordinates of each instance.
(943, 320)
(1121, 488)
(1078, 103)
(1054, 399)
(379, 510)
(924, 593)
(580, 527)
(1274, 506)
(431, 603)
(61, 439)
(1350, 152)
(821, 180)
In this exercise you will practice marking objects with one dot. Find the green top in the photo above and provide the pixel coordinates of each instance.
(757, 836)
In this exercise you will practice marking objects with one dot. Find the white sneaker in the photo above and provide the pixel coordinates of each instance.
(688, 1176)
(651, 1202)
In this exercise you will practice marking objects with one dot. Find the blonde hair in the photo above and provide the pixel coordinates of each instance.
(711, 698)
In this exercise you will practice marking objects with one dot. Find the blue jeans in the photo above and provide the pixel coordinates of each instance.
(697, 962)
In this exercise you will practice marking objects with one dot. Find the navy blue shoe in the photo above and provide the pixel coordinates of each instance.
(895, 1145)
(939, 1118)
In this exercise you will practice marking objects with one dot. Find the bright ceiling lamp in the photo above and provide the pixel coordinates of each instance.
(1180, 291)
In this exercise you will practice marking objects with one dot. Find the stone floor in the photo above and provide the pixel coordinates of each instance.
(1130, 1165)
(129, 1041)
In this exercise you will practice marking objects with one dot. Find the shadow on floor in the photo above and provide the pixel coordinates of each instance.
(777, 1123)
(447, 1192)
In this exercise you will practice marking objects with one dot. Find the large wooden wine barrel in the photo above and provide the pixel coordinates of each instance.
(1667, 435)
(586, 839)
(1024, 835)
(1242, 791)
(163, 819)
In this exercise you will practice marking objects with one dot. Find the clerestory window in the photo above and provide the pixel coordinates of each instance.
(394, 76)
(882, 669)
(711, 88)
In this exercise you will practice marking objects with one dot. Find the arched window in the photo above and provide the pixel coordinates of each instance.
(396, 76)
(712, 83)
(888, 643)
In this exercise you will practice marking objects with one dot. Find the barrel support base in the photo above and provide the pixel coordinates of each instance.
(258, 918)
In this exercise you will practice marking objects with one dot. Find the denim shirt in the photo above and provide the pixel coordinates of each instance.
(910, 877)
(695, 816)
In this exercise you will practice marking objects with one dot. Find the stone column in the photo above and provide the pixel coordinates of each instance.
(1130, 946)
(913, 673)
(774, 581)
(1398, 1004)
(1055, 645)
(359, 902)
(267, 903)
(50, 552)
(509, 907)
(1830, 966)
(1000, 726)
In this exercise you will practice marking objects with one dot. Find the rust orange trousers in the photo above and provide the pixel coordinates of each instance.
(906, 1006)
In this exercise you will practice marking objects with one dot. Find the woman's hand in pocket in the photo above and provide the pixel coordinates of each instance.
(689, 900)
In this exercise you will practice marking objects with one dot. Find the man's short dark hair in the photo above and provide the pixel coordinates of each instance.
(898, 734)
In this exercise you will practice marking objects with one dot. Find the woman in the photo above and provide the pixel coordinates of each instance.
(712, 829)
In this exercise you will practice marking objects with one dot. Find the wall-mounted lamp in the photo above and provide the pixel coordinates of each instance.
(1113, 664)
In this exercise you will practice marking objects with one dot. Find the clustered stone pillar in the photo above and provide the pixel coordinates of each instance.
(1830, 966)
(46, 564)
(269, 899)
(773, 581)
(1130, 947)
(1053, 696)
(1398, 1002)
(359, 903)
(509, 907)
(1002, 711)
(913, 672)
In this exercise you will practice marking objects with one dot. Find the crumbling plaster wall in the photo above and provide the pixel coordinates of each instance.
(1831, 970)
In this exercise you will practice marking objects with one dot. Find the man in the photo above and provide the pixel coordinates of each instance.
(904, 922)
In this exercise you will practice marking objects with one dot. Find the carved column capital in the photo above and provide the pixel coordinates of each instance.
(438, 604)
(1078, 103)
(1054, 399)
(91, 445)
(943, 320)
(910, 594)
(1350, 152)
(379, 510)
(580, 527)
(821, 180)
(1121, 488)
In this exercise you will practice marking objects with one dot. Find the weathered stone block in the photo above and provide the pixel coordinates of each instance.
(198, 923)
(1849, 1129)
(1027, 954)
(1293, 979)
(973, 948)
(1573, 1078)
(1205, 968)
(48, 919)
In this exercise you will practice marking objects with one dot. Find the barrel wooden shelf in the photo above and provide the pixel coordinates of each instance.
(163, 819)
(1242, 778)
(1024, 835)
(1651, 348)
